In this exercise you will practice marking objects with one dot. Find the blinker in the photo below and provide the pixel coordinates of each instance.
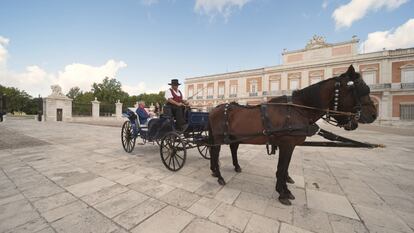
(350, 83)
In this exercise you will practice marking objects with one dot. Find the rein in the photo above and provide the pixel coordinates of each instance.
(309, 130)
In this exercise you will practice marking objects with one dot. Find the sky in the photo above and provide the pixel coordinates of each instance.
(146, 43)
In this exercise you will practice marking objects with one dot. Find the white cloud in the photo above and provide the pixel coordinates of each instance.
(34, 80)
(83, 76)
(142, 88)
(3, 51)
(325, 4)
(222, 7)
(402, 37)
(345, 15)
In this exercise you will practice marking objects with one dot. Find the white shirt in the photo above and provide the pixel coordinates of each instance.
(168, 94)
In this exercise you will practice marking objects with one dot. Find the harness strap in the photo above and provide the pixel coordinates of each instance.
(226, 124)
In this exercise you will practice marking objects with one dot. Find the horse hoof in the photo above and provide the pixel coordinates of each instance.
(285, 201)
(221, 181)
(290, 180)
(290, 196)
(237, 169)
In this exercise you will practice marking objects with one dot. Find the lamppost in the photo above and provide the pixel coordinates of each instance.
(40, 109)
(1, 107)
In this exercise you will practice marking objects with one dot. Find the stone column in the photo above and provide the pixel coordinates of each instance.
(95, 108)
(118, 109)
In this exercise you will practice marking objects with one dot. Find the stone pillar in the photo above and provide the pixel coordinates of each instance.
(118, 109)
(95, 108)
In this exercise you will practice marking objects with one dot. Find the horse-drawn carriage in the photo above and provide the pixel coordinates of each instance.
(173, 143)
(284, 122)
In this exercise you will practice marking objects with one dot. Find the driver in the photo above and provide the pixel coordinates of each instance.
(177, 104)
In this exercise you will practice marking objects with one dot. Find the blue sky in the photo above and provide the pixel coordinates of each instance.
(145, 43)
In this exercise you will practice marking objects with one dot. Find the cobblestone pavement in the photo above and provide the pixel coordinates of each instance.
(77, 178)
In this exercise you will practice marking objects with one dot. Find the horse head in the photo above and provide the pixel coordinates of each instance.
(352, 95)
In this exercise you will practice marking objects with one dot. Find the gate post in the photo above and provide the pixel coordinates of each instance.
(118, 109)
(95, 108)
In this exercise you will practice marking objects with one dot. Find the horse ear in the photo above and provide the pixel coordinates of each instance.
(351, 72)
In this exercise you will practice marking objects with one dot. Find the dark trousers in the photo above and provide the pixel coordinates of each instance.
(178, 113)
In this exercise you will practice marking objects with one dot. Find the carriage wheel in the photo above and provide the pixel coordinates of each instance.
(127, 137)
(173, 152)
(203, 149)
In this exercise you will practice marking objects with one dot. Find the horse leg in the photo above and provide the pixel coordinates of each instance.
(233, 148)
(214, 164)
(272, 152)
(285, 154)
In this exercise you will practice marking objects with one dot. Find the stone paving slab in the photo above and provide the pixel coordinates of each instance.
(139, 213)
(82, 181)
(231, 217)
(330, 203)
(169, 219)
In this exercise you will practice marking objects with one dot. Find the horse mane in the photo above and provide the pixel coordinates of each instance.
(308, 95)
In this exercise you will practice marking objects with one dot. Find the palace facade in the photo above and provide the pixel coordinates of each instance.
(389, 73)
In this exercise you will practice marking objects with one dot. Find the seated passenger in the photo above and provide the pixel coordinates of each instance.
(143, 115)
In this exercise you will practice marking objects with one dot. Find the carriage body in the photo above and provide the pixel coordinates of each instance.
(173, 144)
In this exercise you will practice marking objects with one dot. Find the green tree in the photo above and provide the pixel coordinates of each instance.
(109, 91)
(152, 98)
(15, 100)
(74, 92)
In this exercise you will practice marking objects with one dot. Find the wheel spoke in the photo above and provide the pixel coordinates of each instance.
(180, 157)
(178, 163)
(173, 161)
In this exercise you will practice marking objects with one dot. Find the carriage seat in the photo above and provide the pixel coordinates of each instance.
(142, 126)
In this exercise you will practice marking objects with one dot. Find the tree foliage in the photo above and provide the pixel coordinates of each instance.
(74, 92)
(108, 92)
(15, 100)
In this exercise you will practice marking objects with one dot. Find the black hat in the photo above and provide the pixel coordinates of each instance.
(174, 82)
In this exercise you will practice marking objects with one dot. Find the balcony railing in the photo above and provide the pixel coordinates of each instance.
(232, 95)
(264, 93)
(190, 98)
(199, 97)
(221, 96)
(209, 97)
(379, 86)
(253, 94)
(407, 85)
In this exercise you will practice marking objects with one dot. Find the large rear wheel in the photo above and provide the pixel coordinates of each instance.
(127, 137)
(173, 151)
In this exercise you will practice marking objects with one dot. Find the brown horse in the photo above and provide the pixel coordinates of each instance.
(287, 121)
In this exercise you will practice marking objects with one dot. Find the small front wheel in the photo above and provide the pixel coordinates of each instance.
(127, 137)
(173, 151)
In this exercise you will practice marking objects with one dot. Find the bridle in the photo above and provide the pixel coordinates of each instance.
(357, 93)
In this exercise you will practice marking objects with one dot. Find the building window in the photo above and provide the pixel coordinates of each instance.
(315, 79)
(221, 91)
(274, 85)
(407, 75)
(369, 77)
(233, 90)
(294, 84)
(199, 92)
(253, 86)
(407, 111)
(210, 92)
(190, 92)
